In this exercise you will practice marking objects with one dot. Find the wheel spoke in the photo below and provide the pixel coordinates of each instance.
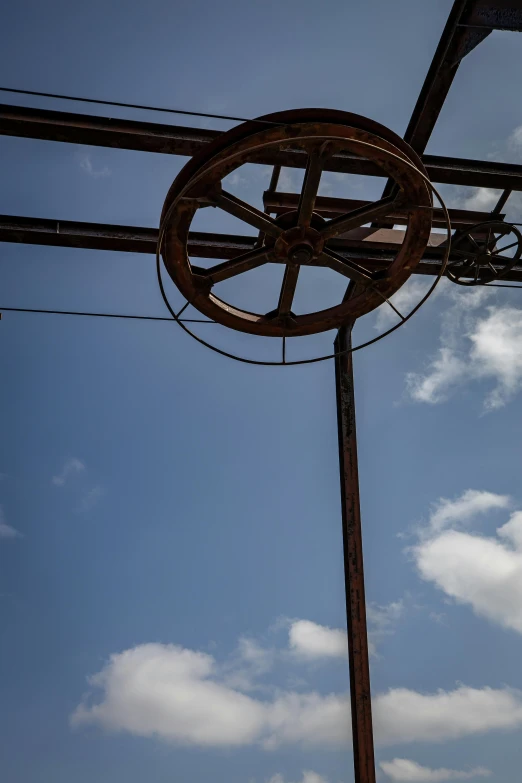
(247, 213)
(286, 297)
(345, 266)
(501, 249)
(312, 178)
(358, 217)
(237, 265)
(495, 271)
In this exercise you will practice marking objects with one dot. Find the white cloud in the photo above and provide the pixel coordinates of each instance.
(482, 199)
(463, 508)
(6, 531)
(310, 640)
(176, 694)
(402, 715)
(90, 499)
(308, 777)
(70, 468)
(444, 372)
(406, 771)
(515, 140)
(473, 348)
(250, 661)
(483, 572)
(404, 300)
(169, 692)
(496, 353)
(87, 165)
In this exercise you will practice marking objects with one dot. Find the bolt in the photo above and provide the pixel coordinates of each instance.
(302, 254)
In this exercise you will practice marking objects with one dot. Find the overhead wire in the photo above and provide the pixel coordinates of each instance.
(141, 107)
(104, 315)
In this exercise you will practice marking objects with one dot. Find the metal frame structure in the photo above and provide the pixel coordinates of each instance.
(468, 24)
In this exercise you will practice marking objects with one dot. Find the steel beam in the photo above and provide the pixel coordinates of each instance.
(373, 248)
(178, 140)
(360, 693)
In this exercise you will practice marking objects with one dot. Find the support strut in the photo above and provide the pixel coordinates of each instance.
(362, 730)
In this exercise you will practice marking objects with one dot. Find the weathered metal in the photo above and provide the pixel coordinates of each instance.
(360, 692)
(277, 203)
(299, 237)
(478, 259)
(142, 136)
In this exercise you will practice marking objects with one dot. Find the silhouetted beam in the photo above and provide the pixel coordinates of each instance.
(178, 140)
(374, 248)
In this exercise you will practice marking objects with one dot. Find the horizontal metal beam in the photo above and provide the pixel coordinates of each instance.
(178, 140)
(278, 203)
(372, 247)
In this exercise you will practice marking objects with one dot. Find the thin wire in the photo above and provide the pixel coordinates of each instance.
(500, 285)
(105, 315)
(133, 106)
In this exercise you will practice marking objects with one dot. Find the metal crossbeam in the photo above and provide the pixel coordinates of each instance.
(179, 140)
(373, 248)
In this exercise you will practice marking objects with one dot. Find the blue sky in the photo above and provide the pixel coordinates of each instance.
(171, 588)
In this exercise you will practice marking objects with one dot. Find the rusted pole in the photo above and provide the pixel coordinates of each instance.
(362, 730)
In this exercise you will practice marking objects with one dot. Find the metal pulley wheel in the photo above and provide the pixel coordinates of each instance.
(478, 254)
(301, 237)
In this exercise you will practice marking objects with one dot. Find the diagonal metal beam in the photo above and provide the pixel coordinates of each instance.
(469, 23)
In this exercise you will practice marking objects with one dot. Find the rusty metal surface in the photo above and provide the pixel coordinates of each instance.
(360, 692)
(199, 185)
(486, 258)
(186, 141)
(138, 239)
(278, 203)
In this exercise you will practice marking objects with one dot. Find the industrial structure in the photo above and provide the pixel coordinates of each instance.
(297, 230)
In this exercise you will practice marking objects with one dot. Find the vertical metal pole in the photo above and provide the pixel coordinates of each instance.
(363, 756)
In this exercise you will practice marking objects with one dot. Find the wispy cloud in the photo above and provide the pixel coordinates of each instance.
(308, 777)
(478, 342)
(6, 531)
(87, 165)
(70, 468)
(90, 499)
(406, 771)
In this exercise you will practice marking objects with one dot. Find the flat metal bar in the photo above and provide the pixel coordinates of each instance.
(179, 140)
(329, 207)
(360, 693)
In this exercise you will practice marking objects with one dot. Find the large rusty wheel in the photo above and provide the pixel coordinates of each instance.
(301, 237)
